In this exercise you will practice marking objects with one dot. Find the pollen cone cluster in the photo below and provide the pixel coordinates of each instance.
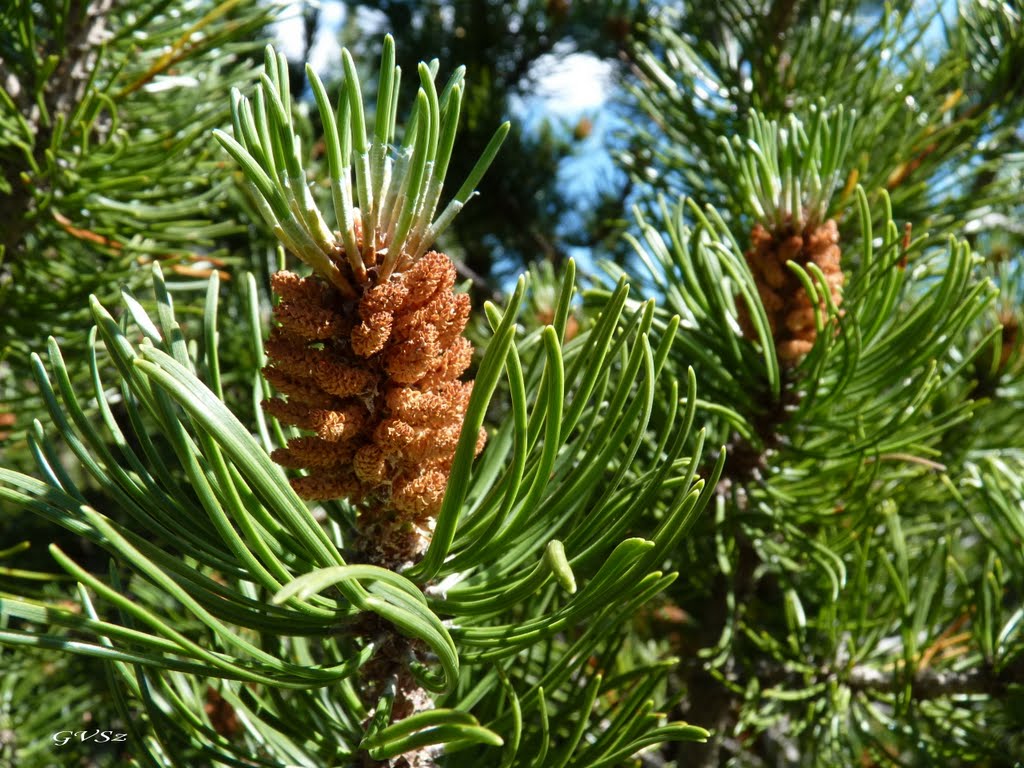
(375, 380)
(786, 302)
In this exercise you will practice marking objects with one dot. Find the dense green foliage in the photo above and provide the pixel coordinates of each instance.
(680, 546)
(859, 610)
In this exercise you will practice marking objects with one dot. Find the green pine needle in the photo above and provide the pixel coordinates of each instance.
(385, 215)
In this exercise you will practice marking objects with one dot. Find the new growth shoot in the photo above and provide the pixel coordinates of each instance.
(385, 196)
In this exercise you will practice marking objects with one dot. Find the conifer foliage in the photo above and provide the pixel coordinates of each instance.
(836, 322)
(446, 603)
(281, 492)
(105, 110)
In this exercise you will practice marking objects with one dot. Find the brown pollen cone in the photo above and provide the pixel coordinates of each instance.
(376, 380)
(788, 307)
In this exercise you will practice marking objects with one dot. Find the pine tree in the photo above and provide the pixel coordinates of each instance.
(751, 496)
(852, 351)
(246, 607)
(105, 166)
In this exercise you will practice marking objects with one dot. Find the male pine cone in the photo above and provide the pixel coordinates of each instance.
(789, 308)
(376, 379)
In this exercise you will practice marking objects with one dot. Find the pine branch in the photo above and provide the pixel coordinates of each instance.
(934, 683)
(61, 94)
(718, 705)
